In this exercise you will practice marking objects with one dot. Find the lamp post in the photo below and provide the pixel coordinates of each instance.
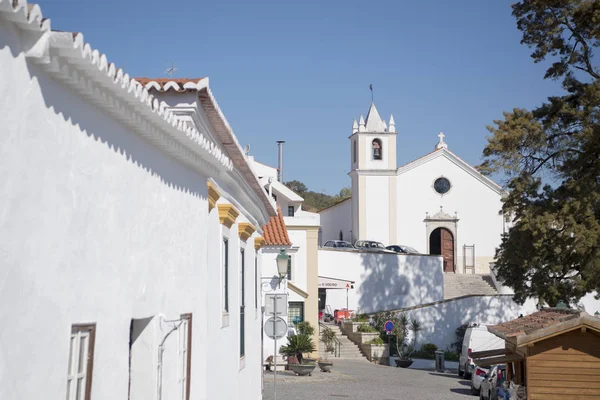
(282, 265)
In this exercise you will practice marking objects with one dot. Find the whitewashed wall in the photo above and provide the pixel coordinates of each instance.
(476, 204)
(377, 209)
(439, 321)
(335, 219)
(96, 225)
(382, 281)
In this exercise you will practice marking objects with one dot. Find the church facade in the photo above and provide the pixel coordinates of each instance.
(437, 204)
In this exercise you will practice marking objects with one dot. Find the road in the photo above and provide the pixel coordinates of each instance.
(358, 379)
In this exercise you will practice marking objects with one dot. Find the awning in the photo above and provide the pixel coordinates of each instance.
(334, 283)
(489, 353)
(507, 358)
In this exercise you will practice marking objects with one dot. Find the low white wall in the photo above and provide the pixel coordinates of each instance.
(440, 320)
(382, 281)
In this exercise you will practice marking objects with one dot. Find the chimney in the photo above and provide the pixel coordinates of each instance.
(280, 161)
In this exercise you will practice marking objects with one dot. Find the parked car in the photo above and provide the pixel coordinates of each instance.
(401, 249)
(371, 245)
(477, 377)
(338, 244)
(477, 338)
(493, 381)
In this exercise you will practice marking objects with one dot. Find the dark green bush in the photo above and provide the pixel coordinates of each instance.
(429, 349)
(366, 329)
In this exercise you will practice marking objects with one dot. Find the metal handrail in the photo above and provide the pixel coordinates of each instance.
(337, 345)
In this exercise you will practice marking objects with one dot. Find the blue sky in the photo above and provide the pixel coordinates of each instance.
(300, 71)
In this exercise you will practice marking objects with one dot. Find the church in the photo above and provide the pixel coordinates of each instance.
(437, 204)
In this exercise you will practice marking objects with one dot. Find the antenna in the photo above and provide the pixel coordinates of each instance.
(371, 87)
(171, 70)
(247, 150)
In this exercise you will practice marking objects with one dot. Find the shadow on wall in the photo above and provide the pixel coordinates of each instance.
(117, 137)
(391, 281)
(440, 321)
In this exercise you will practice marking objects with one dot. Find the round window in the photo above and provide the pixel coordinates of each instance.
(441, 185)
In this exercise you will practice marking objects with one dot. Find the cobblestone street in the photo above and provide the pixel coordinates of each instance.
(358, 379)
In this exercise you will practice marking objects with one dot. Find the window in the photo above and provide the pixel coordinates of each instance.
(185, 355)
(289, 269)
(81, 361)
(290, 211)
(377, 149)
(354, 150)
(225, 275)
(295, 312)
(242, 303)
(274, 196)
(442, 185)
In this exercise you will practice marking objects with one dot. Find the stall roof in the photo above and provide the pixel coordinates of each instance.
(543, 324)
(334, 283)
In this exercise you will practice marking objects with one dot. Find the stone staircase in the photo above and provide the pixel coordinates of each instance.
(457, 285)
(348, 350)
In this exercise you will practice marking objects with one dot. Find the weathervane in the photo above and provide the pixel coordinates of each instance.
(171, 70)
(371, 87)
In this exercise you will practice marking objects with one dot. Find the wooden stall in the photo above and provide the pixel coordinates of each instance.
(554, 352)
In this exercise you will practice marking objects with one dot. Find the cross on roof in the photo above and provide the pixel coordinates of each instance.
(441, 144)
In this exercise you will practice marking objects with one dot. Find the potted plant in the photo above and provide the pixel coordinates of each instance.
(405, 349)
(327, 337)
(296, 346)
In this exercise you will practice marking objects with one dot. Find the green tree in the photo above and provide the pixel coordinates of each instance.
(551, 159)
(297, 187)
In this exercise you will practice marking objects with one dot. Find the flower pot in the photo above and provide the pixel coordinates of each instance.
(302, 369)
(325, 366)
(403, 363)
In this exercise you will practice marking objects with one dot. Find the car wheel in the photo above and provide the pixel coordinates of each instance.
(474, 391)
(467, 375)
(460, 373)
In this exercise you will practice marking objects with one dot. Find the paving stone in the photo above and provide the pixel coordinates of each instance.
(358, 380)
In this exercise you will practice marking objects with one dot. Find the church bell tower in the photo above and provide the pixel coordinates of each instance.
(373, 172)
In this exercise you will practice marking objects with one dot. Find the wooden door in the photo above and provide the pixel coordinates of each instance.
(448, 250)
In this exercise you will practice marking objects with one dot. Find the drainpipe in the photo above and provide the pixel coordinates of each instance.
(161, 349)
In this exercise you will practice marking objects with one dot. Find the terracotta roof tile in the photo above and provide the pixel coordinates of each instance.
(275, 232)
(533, 322)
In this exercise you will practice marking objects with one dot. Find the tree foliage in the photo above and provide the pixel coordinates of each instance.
(551, 158)
(315, 201)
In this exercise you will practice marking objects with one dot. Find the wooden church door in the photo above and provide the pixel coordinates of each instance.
(447, 249)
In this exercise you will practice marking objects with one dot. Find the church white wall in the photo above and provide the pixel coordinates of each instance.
(439, 321)
(382, 281)
(377, 209)
(476, 204)
(335, 219)
(97, 225)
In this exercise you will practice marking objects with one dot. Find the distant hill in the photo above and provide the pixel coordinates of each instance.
(314, 201)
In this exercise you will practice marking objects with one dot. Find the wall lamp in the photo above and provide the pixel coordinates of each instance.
(282, 264)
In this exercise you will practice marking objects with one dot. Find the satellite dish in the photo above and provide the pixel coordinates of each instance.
(247, 149)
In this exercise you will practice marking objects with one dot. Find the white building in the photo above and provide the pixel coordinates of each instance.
(437, 204)
(297, 231)
(129, 221)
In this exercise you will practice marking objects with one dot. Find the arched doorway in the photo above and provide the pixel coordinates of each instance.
(441, 241)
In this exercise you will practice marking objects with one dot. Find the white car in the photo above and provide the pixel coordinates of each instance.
(491, 383)
(477, 377)
(477, 338)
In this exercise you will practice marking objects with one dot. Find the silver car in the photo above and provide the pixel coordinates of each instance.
(370, 245)
(338, 244)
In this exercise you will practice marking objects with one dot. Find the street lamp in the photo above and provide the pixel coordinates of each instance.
(282, 264)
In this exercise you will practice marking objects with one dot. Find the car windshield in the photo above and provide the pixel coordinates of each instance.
(409, 249)
(379, 245)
